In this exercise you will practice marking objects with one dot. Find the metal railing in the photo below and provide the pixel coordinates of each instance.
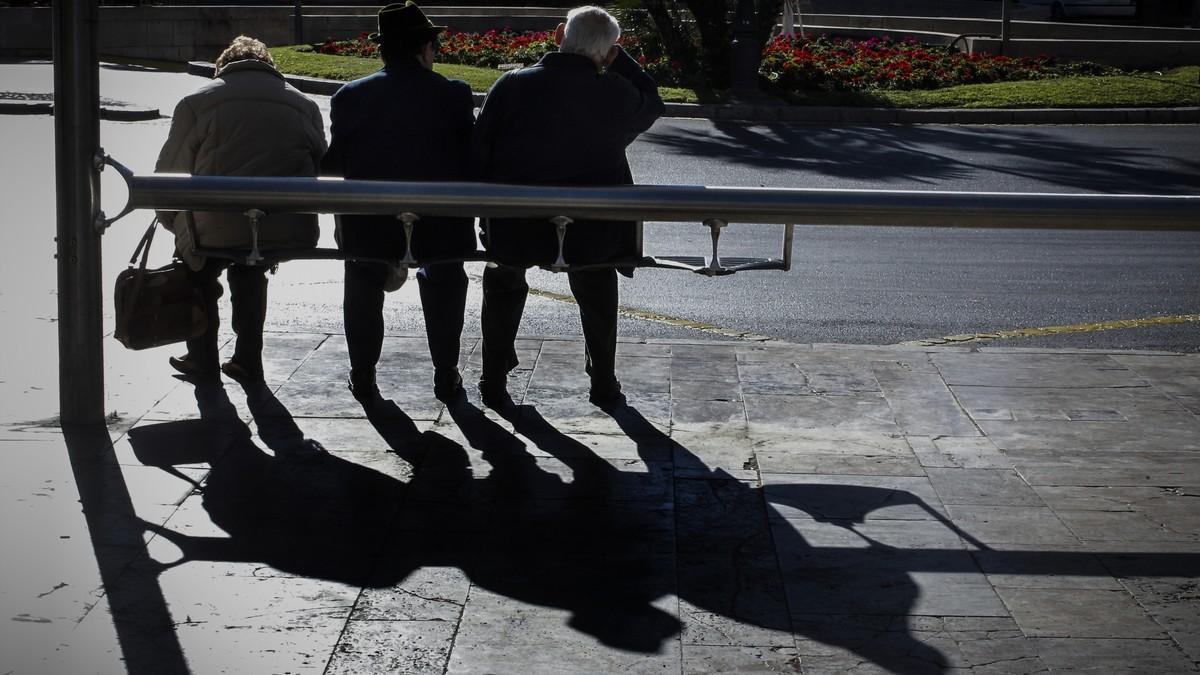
(715, 207)
(681, 203)
(909, 208)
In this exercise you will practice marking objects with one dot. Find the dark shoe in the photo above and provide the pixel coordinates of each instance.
(447, 385)
(241, 373)
(494, 395)
(363, 387)
(607, 396)
(191, 369)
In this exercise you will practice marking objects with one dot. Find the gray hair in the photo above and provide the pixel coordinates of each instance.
(241, 49)
(591, 31)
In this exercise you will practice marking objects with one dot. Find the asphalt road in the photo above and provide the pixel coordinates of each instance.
(849, 284)
(887, 285)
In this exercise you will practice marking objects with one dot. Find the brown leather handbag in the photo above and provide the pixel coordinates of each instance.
(156, 306)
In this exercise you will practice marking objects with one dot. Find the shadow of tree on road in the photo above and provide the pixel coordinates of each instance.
(931, 154)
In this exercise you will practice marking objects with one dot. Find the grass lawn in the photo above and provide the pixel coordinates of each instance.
(1178, 87)
(302, 61)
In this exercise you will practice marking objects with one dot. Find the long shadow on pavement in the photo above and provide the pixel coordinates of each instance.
(610, 546)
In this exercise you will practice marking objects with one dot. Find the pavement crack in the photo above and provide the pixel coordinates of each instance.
(61, 584)
(414, 594)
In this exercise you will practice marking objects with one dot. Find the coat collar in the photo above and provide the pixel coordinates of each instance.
(403, 65)
(561, 60)
(249, 65)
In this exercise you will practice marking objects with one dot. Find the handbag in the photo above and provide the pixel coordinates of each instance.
(157, 306)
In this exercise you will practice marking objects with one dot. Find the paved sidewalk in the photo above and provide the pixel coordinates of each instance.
(756, 507)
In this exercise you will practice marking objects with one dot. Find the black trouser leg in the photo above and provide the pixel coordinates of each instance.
(362, 308)
(504, 292)
(202, 350)
(443, 301)
(596, 293)
(248, 295)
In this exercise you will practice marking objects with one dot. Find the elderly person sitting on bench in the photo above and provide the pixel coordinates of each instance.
(246, 122)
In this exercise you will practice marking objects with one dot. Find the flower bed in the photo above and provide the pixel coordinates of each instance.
(485, 50)
(833, 64)
(493, 48)
(789, 64)
(359, 46)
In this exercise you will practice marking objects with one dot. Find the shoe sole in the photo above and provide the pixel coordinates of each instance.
(239, 374)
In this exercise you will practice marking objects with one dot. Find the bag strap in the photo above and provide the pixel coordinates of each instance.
(143, 247)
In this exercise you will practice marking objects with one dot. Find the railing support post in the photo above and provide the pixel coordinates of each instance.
(560, 230)
(714, 225)
(77, 144)
(255, 215)
(409, 219)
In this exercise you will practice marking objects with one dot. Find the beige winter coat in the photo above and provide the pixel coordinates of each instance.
(246, 122)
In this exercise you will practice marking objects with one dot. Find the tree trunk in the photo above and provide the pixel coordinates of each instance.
(675, 39)
(712, 24)
(713, 28)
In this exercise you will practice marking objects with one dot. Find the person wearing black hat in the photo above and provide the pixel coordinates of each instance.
(565, 120)
(407, 123)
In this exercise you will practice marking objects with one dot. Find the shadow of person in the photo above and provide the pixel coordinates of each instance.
(740, 558)
(521, 531)
(314, 517)
(576, 534)
(616, 544)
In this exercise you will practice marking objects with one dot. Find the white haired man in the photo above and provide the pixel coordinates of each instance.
(563, 121)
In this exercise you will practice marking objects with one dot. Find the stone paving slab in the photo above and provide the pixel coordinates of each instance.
(753, 508)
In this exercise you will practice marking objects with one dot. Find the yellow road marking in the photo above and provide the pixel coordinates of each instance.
(663, 318)
(657, 318)
(1059, 330)
(1039, 331)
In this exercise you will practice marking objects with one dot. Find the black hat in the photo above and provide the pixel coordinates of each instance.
(405, 22)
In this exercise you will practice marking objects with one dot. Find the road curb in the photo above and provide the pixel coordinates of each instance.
(115, 113)
(834, 115)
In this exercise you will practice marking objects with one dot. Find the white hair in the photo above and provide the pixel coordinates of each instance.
(591, 31)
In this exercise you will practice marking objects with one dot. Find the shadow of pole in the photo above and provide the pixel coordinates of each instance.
(145, 630)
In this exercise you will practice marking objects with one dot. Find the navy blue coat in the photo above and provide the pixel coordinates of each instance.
(402, 123)
(562, 122)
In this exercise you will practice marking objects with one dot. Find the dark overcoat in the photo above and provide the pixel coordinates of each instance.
(562, 122)
(407, 123)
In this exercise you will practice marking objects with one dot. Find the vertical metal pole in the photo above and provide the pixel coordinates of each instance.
(1004, 26)
(298, 20)
(76, 144)
(744, 52)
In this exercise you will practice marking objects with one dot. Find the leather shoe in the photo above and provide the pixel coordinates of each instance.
(191, 369)
(241, 373)
(494, 395)
(447, 385)
(606, 396)
(363, 388)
